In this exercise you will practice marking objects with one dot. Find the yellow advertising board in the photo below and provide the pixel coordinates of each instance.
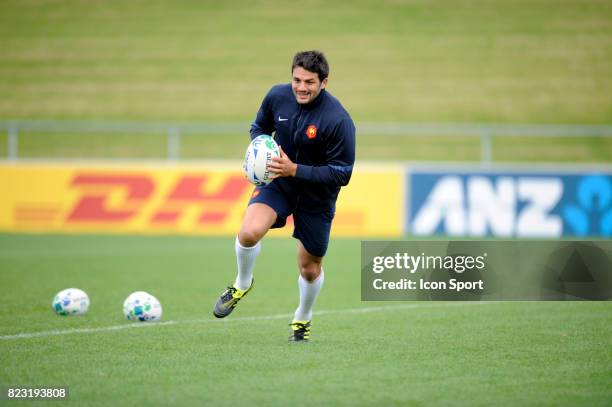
(207, 199)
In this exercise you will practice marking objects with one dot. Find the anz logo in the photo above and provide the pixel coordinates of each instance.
(591, 213)
(510, 205)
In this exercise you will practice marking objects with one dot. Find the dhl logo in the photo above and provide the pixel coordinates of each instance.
(116, 198)
(177, 200)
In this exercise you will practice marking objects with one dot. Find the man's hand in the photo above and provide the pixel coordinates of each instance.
(282, 166)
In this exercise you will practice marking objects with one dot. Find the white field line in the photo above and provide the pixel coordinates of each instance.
(239, 319)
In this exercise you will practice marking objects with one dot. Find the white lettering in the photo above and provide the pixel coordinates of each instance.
(444, 203)
(542, 194)
(504, 206)
(491, 207)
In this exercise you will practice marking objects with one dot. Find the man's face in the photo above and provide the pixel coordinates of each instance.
(306, 85)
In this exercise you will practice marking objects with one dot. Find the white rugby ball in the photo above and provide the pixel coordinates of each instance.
(258, 155)
(70, 301)
(142, 306)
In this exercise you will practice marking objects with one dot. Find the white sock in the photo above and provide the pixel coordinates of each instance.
(308, 295)
(245, 257)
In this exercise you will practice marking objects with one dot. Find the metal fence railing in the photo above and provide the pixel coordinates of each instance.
(174, 131)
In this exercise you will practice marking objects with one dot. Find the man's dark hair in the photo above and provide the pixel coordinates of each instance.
(313, 61)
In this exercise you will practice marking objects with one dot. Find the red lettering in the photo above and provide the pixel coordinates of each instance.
(190, 190)
(212, 217)
(94, 205)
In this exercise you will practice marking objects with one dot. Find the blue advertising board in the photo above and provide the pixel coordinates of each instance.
(509, 204)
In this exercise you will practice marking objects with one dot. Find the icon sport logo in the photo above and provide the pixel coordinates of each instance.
(311, 131)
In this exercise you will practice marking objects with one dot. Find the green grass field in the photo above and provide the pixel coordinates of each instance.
(369, 147)
(507, 353)
(538, 61)
(407, 61)
(458, 61)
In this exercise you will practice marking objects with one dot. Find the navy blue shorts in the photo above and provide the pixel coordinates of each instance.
(312, 229)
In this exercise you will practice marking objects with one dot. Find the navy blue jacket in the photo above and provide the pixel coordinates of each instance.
(319, 137)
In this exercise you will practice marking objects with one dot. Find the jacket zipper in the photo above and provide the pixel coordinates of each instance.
(295, 145)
